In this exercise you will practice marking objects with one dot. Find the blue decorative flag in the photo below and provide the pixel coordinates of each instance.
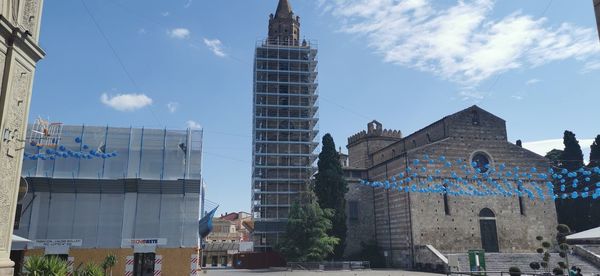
(205, 224)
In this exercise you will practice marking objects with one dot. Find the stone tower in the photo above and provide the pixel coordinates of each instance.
(285, 125)
(284, 26)
(19, 53)
(363, 144)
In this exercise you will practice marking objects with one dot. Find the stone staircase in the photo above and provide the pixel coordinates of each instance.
(594, 248)
(503, 261)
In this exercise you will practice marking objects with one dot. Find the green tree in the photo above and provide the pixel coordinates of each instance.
(595, 153)
(330, 189)
(554, 156)
(109, 262)
(572, 156)
(573, 212)
(306, 236)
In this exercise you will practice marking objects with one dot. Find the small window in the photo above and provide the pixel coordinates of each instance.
(446, 203)
(521, 204)
(475, 117)
(353, 210)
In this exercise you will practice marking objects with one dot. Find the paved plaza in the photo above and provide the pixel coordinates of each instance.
(233, 272)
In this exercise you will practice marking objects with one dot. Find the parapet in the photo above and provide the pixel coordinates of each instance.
(375, 129)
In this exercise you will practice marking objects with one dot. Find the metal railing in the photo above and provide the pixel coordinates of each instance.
(329, 266)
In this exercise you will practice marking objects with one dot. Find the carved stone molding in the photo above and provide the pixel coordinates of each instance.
(30, 16)
(16, 103)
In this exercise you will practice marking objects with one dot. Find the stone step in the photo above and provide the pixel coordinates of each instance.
(503, 261)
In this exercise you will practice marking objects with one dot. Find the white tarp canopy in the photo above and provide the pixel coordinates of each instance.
(592, 234)
(16, 238)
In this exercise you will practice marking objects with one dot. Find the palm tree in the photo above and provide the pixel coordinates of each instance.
(109, 262)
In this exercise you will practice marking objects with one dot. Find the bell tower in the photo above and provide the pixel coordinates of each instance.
(284, 26)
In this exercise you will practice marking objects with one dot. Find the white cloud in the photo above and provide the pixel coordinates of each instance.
(460, 43)
(544, 146)
(142, 31)
(179, 33)
(188, 4)
(532, 81)
(172, 106)
(126, 102)
(215, 46)
(165, 14)
(470, 94)
(591, 66)
(193, 124)
(516, 97)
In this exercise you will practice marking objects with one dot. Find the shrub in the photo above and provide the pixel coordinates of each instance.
(514, 271)
(558, 271)
(535, 265)
(45, 266)
(90, 269)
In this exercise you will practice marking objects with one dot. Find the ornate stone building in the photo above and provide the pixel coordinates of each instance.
(19, 53)
(404, 224)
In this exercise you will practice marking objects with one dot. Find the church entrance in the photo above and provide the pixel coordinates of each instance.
(489, 234)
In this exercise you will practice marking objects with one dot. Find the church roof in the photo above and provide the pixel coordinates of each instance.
(283, 9)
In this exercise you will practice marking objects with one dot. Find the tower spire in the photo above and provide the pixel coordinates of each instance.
(284, 26)
(284, 9)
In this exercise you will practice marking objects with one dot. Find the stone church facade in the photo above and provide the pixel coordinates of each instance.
(19, 53)
(410, 226)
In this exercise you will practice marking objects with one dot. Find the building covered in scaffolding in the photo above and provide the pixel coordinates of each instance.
(285, 124)
(98, 190)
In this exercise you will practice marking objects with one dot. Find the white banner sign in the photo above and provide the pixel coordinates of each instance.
(57, 243)
(143, 242)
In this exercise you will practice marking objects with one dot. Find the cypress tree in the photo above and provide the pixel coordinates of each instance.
(595, 153)
(330, 189)
(572, 156)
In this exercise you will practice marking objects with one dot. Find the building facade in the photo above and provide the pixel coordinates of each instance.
(132, 192)
(19, 52)
(229, 237)
(403, 224)
(284, 124)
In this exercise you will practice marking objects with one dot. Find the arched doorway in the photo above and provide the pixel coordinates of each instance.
(489, 235)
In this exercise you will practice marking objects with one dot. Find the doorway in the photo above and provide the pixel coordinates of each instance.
(143, 264)
(489, 234)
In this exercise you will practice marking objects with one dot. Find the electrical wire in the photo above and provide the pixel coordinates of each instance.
(115, 54)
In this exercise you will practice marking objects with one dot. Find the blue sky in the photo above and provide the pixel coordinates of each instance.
(406, 63)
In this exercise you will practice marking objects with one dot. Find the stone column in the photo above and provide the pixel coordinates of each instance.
(19, 53)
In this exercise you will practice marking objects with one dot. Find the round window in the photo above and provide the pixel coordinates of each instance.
(481, 161)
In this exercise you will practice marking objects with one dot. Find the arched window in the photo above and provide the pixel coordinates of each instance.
(486, 213)
(489, 234)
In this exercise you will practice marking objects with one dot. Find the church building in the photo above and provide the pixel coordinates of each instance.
(414, 228)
